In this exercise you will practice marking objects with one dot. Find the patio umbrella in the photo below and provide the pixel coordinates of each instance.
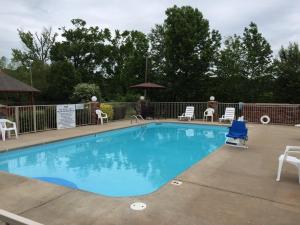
(146, 86)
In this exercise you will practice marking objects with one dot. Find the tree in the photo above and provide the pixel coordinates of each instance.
(257, 53)
(157, 53)
(37, 47)
(288, 81)
(83, 47)
(229, 71)
(3, 62)
(125, 64)
(61, 80)
(245, 67)
(112, 61)
(188, 48)
(230, 61)
(258, 65)
(40, 72)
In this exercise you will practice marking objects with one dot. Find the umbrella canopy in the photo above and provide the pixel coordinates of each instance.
(147, 85)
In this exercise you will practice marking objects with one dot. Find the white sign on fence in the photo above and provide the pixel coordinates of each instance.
(65, 116)
(79, 106)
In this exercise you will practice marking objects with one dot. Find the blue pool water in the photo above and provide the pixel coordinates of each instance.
(126, 162)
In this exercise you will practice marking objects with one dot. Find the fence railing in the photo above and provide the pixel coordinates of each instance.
(36, 118)
(43, 117)
(286, 114)
(174, 109)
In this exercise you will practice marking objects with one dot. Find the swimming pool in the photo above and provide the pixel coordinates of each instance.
(126, 162)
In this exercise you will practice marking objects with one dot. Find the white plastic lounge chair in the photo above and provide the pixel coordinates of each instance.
(101, 116)
(229, 115)
(209, 112)
(189, 113)
(4, 128)
(289, 159)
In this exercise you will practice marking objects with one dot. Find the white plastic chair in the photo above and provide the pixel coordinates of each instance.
(229, 115)
(4, 128)
(101, 116)
(209, 112)
(189, 113)
(241, 118)
(289, 159)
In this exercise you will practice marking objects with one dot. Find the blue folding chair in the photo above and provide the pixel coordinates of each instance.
(237, 135)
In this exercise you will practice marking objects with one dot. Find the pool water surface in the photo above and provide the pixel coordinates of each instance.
(125, 162)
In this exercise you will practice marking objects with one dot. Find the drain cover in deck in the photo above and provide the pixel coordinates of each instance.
(138, 206)
(176, 182)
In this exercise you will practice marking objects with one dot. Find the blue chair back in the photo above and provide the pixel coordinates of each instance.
(238, 127)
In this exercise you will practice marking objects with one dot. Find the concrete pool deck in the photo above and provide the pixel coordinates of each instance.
(230, 186)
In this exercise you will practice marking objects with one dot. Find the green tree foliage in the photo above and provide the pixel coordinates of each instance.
(231, 81)
(257, 53)
(3, 62)
(245, 68)
(125, 63)
(157, 53)
(112, 61)
(61, 80)
(288, 81)
(39, 72)
(188, 48)
(83, 46)
(258, 64)
(37, 47)
(183, 53)
(84, 91)
(33, 62)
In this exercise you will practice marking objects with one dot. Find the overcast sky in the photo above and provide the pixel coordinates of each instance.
(278, 20)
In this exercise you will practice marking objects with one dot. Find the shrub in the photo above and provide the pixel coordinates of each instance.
(119, 112)
(84, 91)
(129, 97)
(130, 110)
(43, 121)
(25, 121)
(108, 109)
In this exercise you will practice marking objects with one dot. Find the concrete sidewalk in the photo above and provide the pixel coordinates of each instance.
(230, 186)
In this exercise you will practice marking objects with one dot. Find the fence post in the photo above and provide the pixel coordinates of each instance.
(94, 106)
(214, 105)
(34, 117)
(17, 118)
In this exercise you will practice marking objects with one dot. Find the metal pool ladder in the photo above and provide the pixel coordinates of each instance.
(137, 118)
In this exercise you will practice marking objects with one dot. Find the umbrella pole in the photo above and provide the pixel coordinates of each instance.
(146, 70)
